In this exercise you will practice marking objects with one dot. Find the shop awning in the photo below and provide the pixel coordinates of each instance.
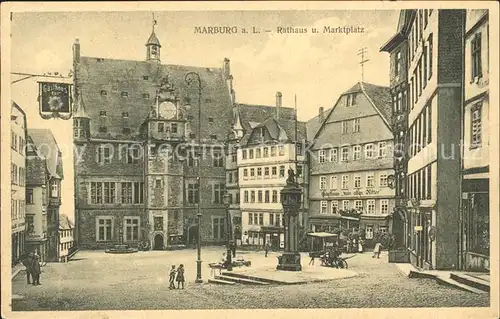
(321, 235)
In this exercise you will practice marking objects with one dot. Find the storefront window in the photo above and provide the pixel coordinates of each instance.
(478, 228)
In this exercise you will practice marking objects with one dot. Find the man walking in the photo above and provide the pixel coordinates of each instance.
(27, 262)
(36, 271)
(267, 246)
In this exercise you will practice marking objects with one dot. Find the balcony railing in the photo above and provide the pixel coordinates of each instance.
(54, 201)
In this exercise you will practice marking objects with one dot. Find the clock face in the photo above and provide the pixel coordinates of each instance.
(167, 110)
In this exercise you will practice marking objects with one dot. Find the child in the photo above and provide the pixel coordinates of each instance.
(172, 277)
(376, 250)
(180, 276)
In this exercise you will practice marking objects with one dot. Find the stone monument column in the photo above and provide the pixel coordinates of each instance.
(291, 196)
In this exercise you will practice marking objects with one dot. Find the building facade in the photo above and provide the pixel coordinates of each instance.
(43, 193)
(351, 160)
(397, 47)
(66, 239)
(150, 139)
(18, 131)
(475, 184)
(434, 94)
(268, 138)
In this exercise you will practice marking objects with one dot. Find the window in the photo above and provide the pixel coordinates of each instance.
(233, 158)
(261, 219)
(369, 232)
(145, 95)
(138, 193)
(383, 179)
(371, 206)
(29, 196)
(266, 197)
(192, 160)
(273, 151)
(266, 152)
(54, 188)
(245, 196)
(258, 153)
(173, 127)
(429, 124)
(369, 151)
(104, 154)
(299, 170)
(250, 154)
(127, 193)
(158, 183)
(102, 113)
(382, 229)
(218, 225)
(356, 125)
(245, 173)
(252, 197)
(322, 156)
(259, 172)
(333, 182)
(133, 154)
(384, 206)
(356, 152)
(370, 180)
(210, 120)
(334, 155)
(357, 181)
(345, 181)
(131, 228)
(476, 56)
(109, 192)
(250, 218)
(358, 205)
(266, 172)
(252, 173)
(298, 149)
(275, 196)
(271, 219)
(382, 149)
(345, 125)
(104, 93)
(324, 207)
(335, 206)
(124, 94)
(274, 170)
(282, 171)
(229, 178)
(281, 150)
(244, 154)
(345, 204)
(425, 59)
(429, 182)
(476, 126)
(259, 196)
(322, 182)
(397, 64)
(430, 54)
(104, 228)
(345, 154)
(218, 160)
(218, 193)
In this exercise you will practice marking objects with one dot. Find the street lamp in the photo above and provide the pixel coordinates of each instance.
(189, 78)
(229, 262)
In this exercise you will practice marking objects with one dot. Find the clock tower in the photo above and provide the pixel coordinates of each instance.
(153, 46)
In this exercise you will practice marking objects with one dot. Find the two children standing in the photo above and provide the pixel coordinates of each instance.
(176, 275)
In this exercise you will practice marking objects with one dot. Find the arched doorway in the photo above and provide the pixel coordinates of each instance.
(192, 237)
(158, 242)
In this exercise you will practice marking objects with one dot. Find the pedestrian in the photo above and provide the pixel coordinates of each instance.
(27, 262)
(360, 246)
(233, 248)
(267, 246)
(312, 255)
(172, 277)
(180, 276)
(376, 250)
(35, 270)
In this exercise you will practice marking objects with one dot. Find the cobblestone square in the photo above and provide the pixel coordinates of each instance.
(95, 280)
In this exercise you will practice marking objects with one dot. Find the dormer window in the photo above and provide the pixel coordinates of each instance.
(124, 94)
(104, 93)
(145, 95)
(351, 99)
(145, 77)
(210, 119)
(213, 137)
(102, 113)
(125, 114)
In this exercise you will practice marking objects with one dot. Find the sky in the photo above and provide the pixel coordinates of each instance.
(316, 67)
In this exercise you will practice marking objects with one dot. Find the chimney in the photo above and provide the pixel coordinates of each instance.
(321, 114)
(76, 51)
(233, 96)
(226, 68)
(278, 104)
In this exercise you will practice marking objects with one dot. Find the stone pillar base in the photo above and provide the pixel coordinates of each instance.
(289, 261)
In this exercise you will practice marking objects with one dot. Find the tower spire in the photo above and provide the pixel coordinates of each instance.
(153, 44)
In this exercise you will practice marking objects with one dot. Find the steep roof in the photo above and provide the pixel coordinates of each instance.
(314, 124)
(65, 223)
(47, 148)
(381, 98)
(153, 39)
(130, 87)
(279, 122)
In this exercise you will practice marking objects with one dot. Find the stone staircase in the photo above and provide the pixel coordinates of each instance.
(231, 278)
(472, 280)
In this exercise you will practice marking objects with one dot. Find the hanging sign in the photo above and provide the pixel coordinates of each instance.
(55, 100)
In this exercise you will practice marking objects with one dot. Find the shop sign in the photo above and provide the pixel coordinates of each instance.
(418, 228)
(55, 100)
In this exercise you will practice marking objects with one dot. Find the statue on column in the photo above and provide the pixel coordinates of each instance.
(291, 176)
